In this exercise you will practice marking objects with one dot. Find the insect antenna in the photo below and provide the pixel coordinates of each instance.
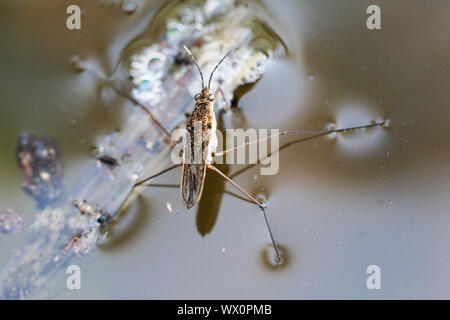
(193, 59)
(210, 77)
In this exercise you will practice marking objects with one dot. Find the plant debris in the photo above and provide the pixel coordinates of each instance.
(40, 161)
(10, 221)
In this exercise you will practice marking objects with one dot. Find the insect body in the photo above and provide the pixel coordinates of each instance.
(200, 142)
(199, 148)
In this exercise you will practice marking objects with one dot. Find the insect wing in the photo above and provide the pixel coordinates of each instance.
(193, 177)
(194, 166)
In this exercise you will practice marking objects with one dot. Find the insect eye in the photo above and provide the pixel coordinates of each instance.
(197, 96)
(211, 97)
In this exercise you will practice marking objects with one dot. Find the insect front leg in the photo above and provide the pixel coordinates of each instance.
(167, 135)
(228, 106)
(105, 81)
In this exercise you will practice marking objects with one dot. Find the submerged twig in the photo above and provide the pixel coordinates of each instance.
(221, 26)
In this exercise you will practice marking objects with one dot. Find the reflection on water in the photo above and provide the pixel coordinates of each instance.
(387, 184)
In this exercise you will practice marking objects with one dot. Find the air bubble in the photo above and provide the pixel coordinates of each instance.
(144, 85)
(174, 32)
(155, 64)
(365, 139)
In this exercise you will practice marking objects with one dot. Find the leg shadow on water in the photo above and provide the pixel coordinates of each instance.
(132, 221)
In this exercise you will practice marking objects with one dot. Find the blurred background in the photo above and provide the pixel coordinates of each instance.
(336, 206)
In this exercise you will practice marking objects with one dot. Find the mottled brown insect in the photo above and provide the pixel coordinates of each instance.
(200, 144)
(199, 147)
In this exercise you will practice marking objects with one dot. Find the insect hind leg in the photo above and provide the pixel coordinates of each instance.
(253, 200)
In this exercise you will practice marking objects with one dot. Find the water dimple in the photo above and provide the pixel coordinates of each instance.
(261, 197)
(270, 260)
(129, 7)
(80, 64)
(77, 64)
(329, 127)
(363, 140)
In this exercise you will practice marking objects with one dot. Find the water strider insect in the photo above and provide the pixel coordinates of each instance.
(199, 148)
(200, 144)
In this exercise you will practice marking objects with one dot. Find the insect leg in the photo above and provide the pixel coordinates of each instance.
(104, 81)
(263, 208)
(156, 175)
(288, 144)
(227, 105)
(127, 96)
(318, 133)
(163, 185)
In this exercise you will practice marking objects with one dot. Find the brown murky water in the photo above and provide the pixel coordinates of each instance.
(336, 206)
